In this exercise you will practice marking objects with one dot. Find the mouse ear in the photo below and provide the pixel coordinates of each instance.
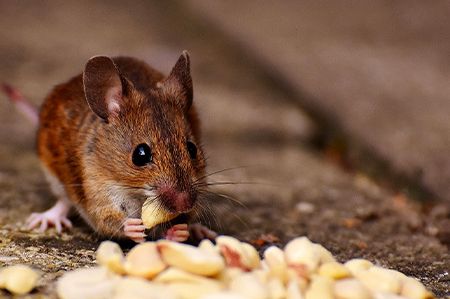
(179, 82)
(103, 86)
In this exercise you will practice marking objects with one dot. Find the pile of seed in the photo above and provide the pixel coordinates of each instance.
(231, 269)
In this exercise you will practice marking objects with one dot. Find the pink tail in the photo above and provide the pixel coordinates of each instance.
(22, 104)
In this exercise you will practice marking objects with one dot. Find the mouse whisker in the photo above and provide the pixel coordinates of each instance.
(228, 211)
(206, 212)
(223, 196)
(231, 183)
(218, 171)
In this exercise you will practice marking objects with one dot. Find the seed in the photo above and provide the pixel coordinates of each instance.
(177, 275)
(235, 253)
(301, 252)
(90, 283)
(357, 265)
(228, 274)
(380, 280)
(293, 290)
(224, 295)
(190, 258)
(140, 288)
(110, 255)
(153, 214)
(18, 279)
(187, 290)
(207, 245)
(320, 288)
(251, 260)
(274, 258)
(351, 289)
(325, 254)
(276, 289)
(144, 261)
(262, 275)
(413, 289)
(334, 270)
(249, 285)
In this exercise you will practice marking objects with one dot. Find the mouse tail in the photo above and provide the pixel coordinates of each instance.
(22, 104)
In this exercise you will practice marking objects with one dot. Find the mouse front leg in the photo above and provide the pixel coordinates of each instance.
(200, 232)
(177, 233)
(134, 228)
(182, 232)
(55, 216)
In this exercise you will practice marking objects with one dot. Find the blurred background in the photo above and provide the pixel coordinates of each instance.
(336, 112)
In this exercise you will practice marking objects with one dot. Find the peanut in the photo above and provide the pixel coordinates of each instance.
(177, 275)
(190, 258)
(276, 289)
(274, 258)
(249, 285)
(144, 261)
(110, 255)
(351, 289)
(379, 279)
(334, 270)
(357, 265)
(90, 283)
(18, 279)
(153, 214)
(413, 289)
(301, 251)
(140, 288)
(320, 288)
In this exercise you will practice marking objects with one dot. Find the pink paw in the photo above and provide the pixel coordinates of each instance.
(201, 232)
(134, 229)
(48, 218)
(178, 233)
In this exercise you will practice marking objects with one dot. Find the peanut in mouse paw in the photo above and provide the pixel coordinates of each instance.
(153, 214)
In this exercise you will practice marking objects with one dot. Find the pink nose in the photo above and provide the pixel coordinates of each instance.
(181, 202)
(174, 200)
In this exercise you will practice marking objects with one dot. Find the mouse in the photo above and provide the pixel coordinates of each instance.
(117, 135)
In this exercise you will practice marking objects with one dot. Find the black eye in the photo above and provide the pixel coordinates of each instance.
(192, 149)
(142, 155)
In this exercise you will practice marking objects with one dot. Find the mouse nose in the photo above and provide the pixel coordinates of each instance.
(174, 200)
(181, 202)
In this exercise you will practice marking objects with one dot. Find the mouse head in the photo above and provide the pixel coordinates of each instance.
(146, 138)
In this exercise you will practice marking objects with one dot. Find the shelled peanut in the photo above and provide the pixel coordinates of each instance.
(231, 269)
(18, 279)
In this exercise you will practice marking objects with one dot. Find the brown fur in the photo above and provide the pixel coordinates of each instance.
(91, 156)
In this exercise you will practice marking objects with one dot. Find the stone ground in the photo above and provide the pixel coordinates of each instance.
(284, 186)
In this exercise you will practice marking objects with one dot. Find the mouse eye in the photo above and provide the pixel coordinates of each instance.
(192, 149)
(142, 155)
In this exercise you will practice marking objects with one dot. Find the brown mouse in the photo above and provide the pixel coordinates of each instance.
(116, 135)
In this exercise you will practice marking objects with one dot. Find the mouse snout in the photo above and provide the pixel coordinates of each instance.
(176, 201)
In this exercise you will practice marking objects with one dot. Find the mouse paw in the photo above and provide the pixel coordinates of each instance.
(201, 232)
(53, 217)
(134, 229)
(178, 233)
